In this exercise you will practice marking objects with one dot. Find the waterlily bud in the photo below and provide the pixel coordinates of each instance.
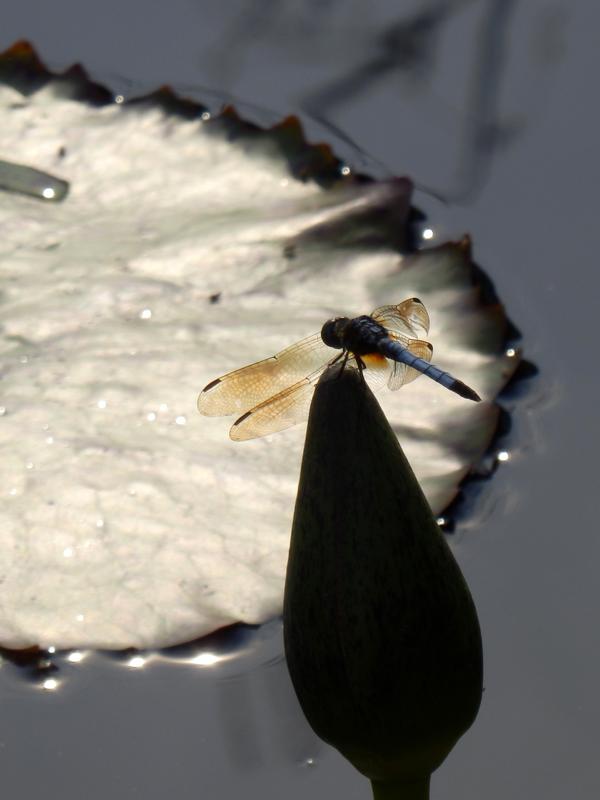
(381, 633)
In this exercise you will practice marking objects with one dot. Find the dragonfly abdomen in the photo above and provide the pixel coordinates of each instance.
(397, 352)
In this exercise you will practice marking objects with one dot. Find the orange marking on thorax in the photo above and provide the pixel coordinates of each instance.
(374, 360)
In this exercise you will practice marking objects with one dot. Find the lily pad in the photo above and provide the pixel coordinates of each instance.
(188, 246)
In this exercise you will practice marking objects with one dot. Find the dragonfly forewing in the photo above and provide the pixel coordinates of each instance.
(282, 411)
(247, 387)
(292, 405)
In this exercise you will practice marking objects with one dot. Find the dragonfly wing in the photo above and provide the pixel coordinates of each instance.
(251, 385)
(285, 409)
(403, 374)
(408, 319)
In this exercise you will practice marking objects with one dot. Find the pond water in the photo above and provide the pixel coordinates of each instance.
(489, 108)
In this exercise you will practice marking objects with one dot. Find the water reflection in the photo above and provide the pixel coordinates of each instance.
(205, 659)
(229, 652)
(231, 689)
(76, 656)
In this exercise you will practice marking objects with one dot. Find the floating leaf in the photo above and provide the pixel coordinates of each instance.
(188, 246)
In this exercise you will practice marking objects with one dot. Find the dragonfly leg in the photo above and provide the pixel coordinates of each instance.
(345, 355)
(361, 367)
(335, 361)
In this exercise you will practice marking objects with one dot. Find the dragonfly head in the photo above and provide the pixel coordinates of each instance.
(332, 332)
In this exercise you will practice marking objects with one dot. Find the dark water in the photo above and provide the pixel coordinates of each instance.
(491, 105)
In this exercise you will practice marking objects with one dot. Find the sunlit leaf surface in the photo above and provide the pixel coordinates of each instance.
(184, 248)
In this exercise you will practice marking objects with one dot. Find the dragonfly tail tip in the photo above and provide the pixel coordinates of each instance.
(465, 391)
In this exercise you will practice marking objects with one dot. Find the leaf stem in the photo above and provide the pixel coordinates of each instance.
(392, 790)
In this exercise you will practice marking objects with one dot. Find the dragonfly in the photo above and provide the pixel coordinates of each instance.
(275, 393)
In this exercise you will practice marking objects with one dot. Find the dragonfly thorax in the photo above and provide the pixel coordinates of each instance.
(360, 335)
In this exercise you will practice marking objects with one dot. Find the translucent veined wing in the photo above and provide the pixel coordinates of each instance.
(292, 404)
(247, 387)
(279, 412)
(403, 374)
(408, 320)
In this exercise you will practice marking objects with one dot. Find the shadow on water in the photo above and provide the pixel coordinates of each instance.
(408, 50)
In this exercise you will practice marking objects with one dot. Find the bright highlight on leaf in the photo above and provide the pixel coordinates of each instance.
(187, 245)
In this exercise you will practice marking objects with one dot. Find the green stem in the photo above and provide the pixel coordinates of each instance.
(392, 790)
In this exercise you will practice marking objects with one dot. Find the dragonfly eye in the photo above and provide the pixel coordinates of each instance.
(333, 331)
